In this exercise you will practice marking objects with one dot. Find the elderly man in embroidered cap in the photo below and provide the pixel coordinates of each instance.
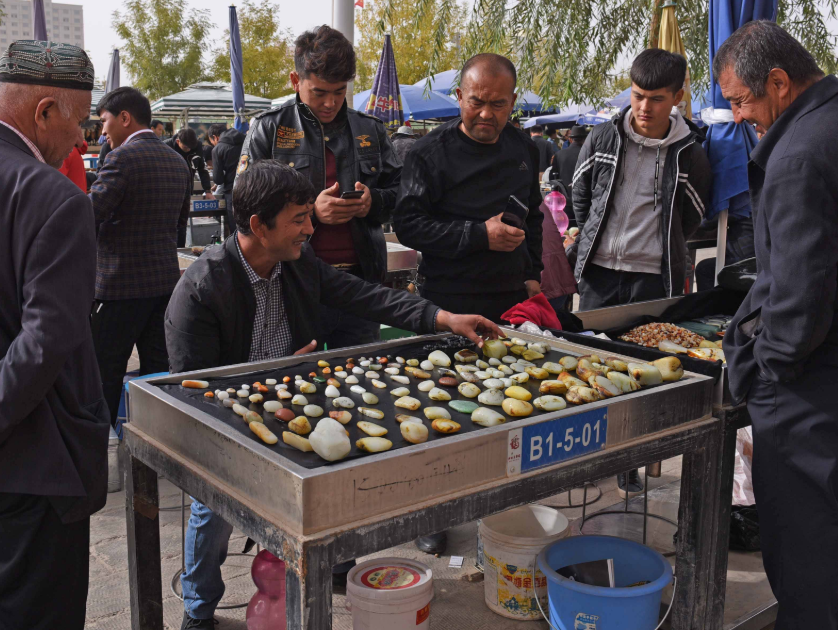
(53, 418)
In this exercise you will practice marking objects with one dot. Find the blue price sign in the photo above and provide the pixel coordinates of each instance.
(204, 205)
(553, 441)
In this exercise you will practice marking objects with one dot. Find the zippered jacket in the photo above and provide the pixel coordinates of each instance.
(292, 135)
(684, 189)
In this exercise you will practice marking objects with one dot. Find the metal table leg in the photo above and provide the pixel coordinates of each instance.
(143, 520)
(308, 589)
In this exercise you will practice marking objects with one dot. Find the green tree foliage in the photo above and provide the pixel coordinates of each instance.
(569, 50)
(431, 38)
(267, 51)
(164, 44)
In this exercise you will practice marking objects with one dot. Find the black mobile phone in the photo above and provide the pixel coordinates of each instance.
(352, 194)
(516, 213)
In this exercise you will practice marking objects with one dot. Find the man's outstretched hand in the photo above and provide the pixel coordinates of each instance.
(311, 347)
(474, 327)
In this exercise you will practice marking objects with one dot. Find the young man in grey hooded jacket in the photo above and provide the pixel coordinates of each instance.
(640, 187)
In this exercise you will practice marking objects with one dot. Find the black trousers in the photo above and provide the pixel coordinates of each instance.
(43, 566)
(740, 245)
(795, 477)
(489, 305)
(119, 325)
(601, 287)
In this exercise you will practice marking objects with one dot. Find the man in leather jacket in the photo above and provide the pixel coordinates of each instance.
(341, 151)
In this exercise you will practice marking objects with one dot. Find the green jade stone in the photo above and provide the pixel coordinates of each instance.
(319, 379)
(463, 406)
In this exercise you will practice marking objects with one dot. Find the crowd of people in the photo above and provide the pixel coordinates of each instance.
(307, 189)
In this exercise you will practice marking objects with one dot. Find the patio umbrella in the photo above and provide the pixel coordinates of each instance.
(670, 40)
(385, 101)
(623, 99)
(39, 20)
(415, 104)
(237, 72)
(568, 116)
(112, 81)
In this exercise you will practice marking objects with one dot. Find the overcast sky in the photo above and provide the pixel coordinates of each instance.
(100, 37)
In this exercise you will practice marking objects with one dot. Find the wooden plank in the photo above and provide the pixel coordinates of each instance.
(142, 509)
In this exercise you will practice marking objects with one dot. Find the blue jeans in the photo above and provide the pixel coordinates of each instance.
(207, 537)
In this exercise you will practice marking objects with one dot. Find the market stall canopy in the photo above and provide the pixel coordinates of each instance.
(207, 99)
(279, 100)
(568, 116)
(416, 104)
(445, 83)
(698, 102)
(95, 97)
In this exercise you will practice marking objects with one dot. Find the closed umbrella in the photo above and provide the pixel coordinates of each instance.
(385, 100)
(112, 81)
(729, 145)
(237, 72)
(670, 40)
(39, 20)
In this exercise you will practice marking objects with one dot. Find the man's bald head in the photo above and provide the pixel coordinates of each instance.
(491, 64)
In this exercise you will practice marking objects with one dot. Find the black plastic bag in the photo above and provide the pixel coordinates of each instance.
(744, 528)
(739, 276)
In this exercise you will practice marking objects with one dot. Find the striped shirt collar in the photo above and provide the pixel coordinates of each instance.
(254, 277)
(28, 142)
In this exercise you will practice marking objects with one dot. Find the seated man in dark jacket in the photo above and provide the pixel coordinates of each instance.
(257, 297)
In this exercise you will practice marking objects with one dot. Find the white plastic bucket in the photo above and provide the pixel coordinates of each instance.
(390, 594)
(511, 542)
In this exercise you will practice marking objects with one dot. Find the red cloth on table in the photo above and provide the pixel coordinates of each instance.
(536, 310)
(73, 167)
(333, 243)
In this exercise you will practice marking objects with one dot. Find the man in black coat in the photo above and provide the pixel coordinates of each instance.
(225, 159)
(53, 417)
(545, 149)
(256, 297)
(782, 345)
(564, 161)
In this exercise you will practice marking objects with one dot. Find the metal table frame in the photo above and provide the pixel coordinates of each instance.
(309, 559)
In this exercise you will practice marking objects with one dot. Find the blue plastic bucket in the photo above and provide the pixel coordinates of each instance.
(576, 606)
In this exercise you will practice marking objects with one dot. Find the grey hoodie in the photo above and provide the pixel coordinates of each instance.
(631, 240)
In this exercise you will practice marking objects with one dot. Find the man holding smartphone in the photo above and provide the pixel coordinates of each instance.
(349, 159)
(470, 197)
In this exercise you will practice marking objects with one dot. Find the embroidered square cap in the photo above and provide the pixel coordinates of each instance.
(47, 63)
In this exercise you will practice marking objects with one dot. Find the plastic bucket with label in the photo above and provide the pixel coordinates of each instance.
(640, 575)
(511, 542)
(390, 594)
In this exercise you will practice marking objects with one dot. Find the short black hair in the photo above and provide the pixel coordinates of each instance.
(656, 69)
(126, 99)
(216, 129)
(758, 47)
(264, 189)
(536, 129)
(325, 53)
(156, 122)
(496, 64)
(188, 137)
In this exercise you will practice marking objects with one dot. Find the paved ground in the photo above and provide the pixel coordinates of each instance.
(457, 602)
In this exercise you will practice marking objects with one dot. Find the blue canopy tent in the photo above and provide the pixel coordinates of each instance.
(415, 103)
(443, 83)
(237, 73)
(566, 118)
(729, 145)
(699, 102)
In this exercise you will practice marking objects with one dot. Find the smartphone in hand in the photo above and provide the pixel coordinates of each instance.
(515, 213)
(352, 194)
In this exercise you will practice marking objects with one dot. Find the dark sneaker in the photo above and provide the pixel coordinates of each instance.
(635, 486)
(435, 544)
(189, 623)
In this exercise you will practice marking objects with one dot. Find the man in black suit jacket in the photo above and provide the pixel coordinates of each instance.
(140, 200)
(782, 345)
(564, 161)
(53, 419)
(545, 149)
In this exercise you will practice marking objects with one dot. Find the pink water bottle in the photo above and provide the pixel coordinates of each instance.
(266, 610)
(556, 202)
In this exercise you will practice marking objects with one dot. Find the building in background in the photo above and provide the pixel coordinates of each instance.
(65, 22)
